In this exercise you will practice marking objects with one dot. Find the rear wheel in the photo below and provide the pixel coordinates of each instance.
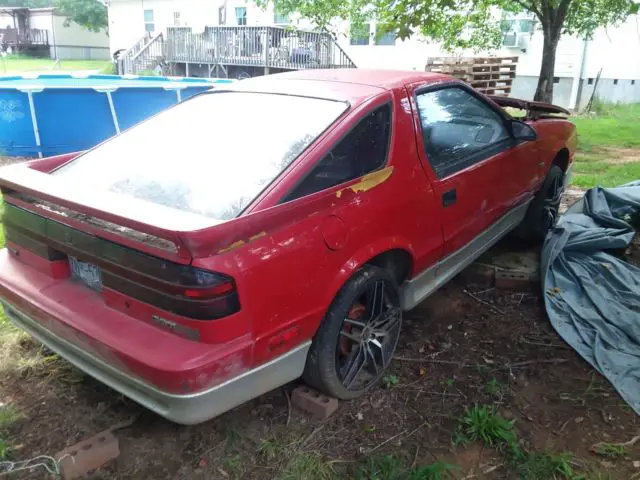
(356, 340)
(544, 209)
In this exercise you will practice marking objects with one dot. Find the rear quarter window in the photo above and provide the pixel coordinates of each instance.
(361, 151)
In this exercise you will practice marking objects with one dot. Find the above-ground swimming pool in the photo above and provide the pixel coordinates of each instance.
(54, 114)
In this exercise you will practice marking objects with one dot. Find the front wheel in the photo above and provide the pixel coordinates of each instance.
(356, 339)
(543, 212)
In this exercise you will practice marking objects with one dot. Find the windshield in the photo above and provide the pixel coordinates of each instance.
(211, 155)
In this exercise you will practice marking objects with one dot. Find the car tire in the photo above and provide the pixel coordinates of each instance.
(543, 212)
(335, 354)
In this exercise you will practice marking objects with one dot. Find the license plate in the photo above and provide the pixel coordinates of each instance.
(87, 273)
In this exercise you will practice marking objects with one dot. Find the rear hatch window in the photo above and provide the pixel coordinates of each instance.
(211, 155)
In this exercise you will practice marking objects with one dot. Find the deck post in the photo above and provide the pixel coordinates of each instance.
(186, 69)
(267, 44)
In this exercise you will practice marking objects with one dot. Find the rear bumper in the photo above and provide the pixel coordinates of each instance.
(185, 409)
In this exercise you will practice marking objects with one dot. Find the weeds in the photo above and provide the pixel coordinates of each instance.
(435, 471)
(232, 465)
(449, 382)
(8, 415)
(4, 449)
(270, 449)
(482, 424)
(390, 380)
(390, 468)
(536, 466)
(291, 462)
(493, 387)
(611, 450)
(306, 465)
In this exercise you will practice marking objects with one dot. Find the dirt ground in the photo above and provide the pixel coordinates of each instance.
(465, 345)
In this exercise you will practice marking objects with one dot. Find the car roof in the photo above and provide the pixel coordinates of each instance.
(346, 84)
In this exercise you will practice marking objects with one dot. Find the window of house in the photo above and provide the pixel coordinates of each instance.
(615, 81)
(360, 34)
(280, 19)
(556, 79)
(241, 15)
(222, 16)
(590, 81)
(458, 129)
(363, 150)
(176, 19)
(633, 82)
(149, 26)
(388, 38)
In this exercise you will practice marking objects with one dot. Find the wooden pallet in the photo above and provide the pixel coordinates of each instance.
(490, 75)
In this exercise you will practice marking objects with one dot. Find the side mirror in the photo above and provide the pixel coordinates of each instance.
(523, 131)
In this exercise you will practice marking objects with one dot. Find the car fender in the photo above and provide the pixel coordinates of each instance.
(363, 255)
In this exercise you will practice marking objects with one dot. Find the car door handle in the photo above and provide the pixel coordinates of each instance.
(449, 198)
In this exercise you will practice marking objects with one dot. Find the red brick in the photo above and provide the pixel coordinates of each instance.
(513, 279)
(314, 402)
(79, 459)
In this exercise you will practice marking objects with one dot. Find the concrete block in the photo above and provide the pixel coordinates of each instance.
(313, 402)
(79, 459)
(513, 279)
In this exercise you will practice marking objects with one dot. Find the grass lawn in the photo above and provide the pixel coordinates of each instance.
(15, 64)
(608, 146)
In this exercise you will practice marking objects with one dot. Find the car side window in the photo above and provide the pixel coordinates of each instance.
(361, 151)
(458, 129)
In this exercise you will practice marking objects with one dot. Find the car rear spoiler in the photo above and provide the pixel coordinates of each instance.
(128, 221)
(535, 110)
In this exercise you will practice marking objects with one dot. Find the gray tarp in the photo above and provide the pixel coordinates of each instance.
(591, 296)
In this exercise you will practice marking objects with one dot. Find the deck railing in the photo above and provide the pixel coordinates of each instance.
(33, 36)
(150, 55)
(125, 60)
(269, 47)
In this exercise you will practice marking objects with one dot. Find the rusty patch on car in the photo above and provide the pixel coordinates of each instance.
(369, 181)
(257, 236)
(241, 243)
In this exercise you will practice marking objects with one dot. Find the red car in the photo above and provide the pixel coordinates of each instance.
(274, 229)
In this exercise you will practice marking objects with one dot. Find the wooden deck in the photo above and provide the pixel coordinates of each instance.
(265, 48)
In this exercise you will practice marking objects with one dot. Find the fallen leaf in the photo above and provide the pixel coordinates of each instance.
(359, 416)
(423, 371)
(203, 463)
(579, 419)
(222, 472)
(636, 464)
(488, 360)
(421, 350)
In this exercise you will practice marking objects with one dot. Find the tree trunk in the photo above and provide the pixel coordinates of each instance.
(544, 92)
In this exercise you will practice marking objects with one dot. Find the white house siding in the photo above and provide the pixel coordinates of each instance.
(127, 26)
(614, 50)
(74, 42)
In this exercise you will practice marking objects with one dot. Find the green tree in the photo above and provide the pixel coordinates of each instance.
(462, 24)
(91, 14)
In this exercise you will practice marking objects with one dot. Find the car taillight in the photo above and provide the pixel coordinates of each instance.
(209, 284)
(195, 293)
